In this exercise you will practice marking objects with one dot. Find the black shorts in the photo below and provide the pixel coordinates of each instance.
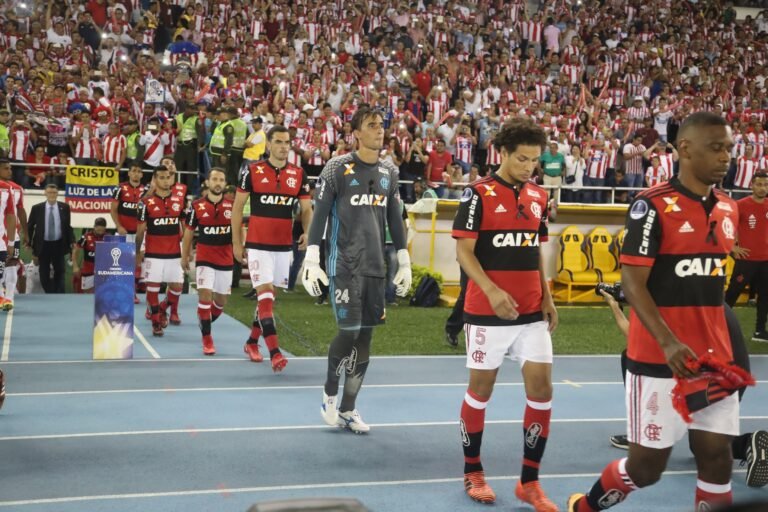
(358, 301)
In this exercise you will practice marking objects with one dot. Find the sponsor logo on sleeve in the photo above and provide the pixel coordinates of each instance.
(639, 209)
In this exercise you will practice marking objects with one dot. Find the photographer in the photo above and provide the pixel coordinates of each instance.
(756, 460)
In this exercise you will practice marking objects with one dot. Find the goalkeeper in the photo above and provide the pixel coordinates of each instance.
(357, 199)
(752, 447)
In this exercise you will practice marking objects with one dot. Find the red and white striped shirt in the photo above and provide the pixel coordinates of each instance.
(114, 146)
(493, 156)
(155, 147)
(597, 163)
(531, 30)
(656, 175)
(19, 144)
(745, 169)
(463, 149)
(87, 143)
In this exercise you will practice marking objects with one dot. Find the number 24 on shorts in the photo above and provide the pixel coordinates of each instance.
(342, 296)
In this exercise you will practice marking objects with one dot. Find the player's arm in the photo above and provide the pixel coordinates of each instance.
(237, 220)
(187, 236)
(141, 228)
(306, 220)
(75, 258)
(618, 315)
(466, 227)
(10, 228)
(113, 212)
(641, 244)
(404, 276)
(325, 196)
(547, 303)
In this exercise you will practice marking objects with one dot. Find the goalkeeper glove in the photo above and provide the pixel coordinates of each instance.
(403, 278)
(313, 275)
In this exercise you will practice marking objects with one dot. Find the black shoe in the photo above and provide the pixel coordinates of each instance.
(250, 294)
(452, 339)
(620, 441)
(760, 336)
(320, 301)
(757, 459)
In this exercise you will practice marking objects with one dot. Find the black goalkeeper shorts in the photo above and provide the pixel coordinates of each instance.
(358, 301)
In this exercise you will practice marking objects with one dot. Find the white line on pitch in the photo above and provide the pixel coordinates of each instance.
(297, 359)
(146, 344)
(301, 487)
(7, 336)
(284, 428)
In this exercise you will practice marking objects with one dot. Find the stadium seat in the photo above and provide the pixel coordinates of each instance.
(602, 259)
(618, 241)
(573, 264)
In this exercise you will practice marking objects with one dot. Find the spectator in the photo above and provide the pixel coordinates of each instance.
(36, 176)
(438, 162)
(553, 166)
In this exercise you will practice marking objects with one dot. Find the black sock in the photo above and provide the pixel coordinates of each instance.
(739, 446)
(338, 356)
(355, 368)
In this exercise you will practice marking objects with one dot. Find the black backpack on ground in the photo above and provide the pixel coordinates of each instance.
(427, 293)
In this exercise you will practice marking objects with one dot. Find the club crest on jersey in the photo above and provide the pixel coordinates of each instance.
(516, 240)
(536, 210)
(348, 169)
(384, 183)
(227, 214)
(729, 230)
(291, 182)
(277, 200)
(671, 203)
(714, 267)
(176, 207)
(489, 190)
(368, 200)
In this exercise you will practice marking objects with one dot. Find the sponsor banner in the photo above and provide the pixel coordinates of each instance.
(113, 300)
(89, 189)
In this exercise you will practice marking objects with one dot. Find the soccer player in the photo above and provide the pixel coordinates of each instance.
(358, 199)
(273, 186)
(125, 204)
(159, 217)
(87, 244)
(500, 224)
(751, 253)
(11, 275)
(752, 447)
(673, 259)
(212, 216)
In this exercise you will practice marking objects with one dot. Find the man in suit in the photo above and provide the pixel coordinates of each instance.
(50, 231)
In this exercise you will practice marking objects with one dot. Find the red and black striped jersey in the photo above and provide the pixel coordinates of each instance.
(127, 197)
(214, 241)
(685, 239)
(753, 228)
(273, 195)
(87, 243)
(163, 217)
(509, 224)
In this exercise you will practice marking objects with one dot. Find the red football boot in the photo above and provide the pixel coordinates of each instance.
(278, 362)
(208, 348)
(252, 349)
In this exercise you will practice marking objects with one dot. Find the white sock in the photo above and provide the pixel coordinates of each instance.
(11, 278)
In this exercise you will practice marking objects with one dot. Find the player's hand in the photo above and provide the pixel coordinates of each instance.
(237, 253)
(404, 276)
(609, 298)
(549, 311)
(312, 275)
(121, 230)
(677, 354)
(740, 252)
(503, 304)
(302, 241)
(185, 263)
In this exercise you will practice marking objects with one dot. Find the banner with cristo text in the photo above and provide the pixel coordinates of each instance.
(113, 299)
(90, 189)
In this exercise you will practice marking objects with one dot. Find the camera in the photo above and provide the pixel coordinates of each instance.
(614, 290)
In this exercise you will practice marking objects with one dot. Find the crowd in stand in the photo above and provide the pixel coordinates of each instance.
(116, 82)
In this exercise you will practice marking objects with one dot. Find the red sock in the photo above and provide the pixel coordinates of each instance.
(535, 434)
(266, 299)
(712, 496)
(472, 424)
(153, 289)
(172, 297)
(611, 489)
(204, 315)
(216, 312)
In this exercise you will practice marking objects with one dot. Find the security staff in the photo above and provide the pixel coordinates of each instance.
(191, 140)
